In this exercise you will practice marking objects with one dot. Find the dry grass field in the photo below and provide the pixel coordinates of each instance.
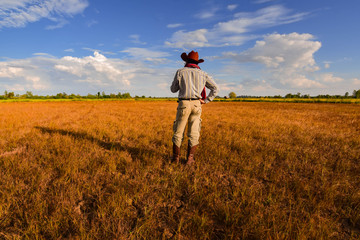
(100, 170)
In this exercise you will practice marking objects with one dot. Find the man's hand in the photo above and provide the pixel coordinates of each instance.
(202, 101)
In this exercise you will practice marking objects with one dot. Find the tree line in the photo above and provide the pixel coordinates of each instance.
(103, 95)
(63, 95)
(355, 94)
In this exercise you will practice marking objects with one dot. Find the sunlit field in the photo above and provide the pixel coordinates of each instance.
(100, 170)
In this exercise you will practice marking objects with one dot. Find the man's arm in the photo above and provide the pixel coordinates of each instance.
(175, 86)
(214, 89)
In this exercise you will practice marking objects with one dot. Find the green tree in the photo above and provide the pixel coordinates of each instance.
(11, 95)
(357, 93)
(29, 94)
(126, 95)
(232, 95)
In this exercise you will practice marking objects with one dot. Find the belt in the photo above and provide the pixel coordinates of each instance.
(188, 99)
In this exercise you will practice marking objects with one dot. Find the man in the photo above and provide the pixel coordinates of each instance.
(190, 82)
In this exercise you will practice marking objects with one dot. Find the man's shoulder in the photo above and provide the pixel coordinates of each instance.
(187, 69)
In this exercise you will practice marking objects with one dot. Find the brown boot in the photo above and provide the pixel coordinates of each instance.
(190, 155)
(176, 154)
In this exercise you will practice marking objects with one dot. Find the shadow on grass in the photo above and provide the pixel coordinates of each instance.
(135, 152)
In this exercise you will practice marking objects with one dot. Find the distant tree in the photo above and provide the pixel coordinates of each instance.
(232, 95)
(10, 94)
(347, 94)
(289, 95)
(29, 94)
(124, 95)
(90, 96)
(357, 93)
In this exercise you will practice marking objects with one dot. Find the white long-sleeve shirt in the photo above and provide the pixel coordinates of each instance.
(190, 82)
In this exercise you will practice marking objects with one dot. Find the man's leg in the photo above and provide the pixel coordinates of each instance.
(182, 115)
(194, 131)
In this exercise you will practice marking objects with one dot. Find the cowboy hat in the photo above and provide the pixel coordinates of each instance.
(193, 56)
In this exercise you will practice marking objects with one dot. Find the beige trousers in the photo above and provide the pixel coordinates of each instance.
(187, 112)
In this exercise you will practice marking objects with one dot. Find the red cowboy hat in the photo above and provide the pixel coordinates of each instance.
(192, 56)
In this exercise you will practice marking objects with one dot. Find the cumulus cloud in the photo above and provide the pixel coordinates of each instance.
(91, 69)
(18, 13)
(236, 31)
(98, 50)
(329, 78)
(356, 81)
(193, 39)
(44, 74)
(19, 75)
(288, 58)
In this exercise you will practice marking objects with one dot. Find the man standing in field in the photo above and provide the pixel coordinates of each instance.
(190, 82)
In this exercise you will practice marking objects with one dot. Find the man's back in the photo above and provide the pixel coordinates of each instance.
(191, 81)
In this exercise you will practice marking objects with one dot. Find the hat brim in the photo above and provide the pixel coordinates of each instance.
(186, 58)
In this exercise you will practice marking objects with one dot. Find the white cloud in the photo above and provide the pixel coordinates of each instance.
(356, 81)
(69, 50)
(59, 24)
(207, 13)
(232, 7)
(174, 25)
(289, 60)
(262, 1)
(228, 86)
(329, 78)
(236, 31)
(181, 39)
(136, 39)
(95, 67)
(44, 55)
(164, 86)
(48, 75)
(262, 18)
(18, 75)
(98, 50)
(19, 13)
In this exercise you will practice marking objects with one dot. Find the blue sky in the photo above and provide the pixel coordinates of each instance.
(250, 47)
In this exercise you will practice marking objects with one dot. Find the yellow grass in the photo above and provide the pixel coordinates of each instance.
(100, 170)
